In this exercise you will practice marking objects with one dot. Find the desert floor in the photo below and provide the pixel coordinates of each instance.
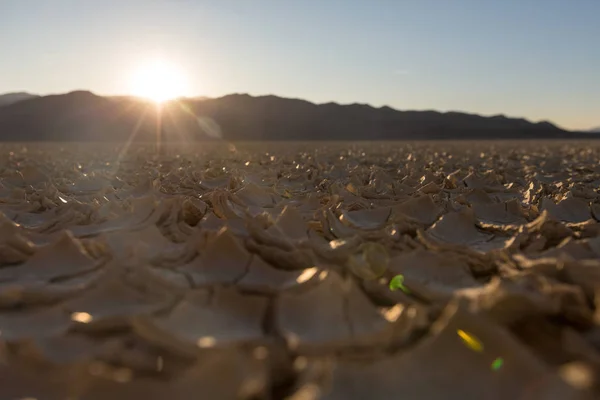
(263, 270)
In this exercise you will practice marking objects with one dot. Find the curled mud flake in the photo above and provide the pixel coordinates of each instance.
(334, 228)
(433, 276)
(14, 245)
(290, 224)
(344, 318)
(477, 197)
(499, 213)
(205, 320)
(289, 260)
(337, 250)
(569, 210)
(422, 209)
(252, 194)
(458, 228)
(430, 188)
(273, 236)
(65, 257)
(38, 322)
(144, 244)
(366, 219)
(264, 278)
(224, 260)
(116, 298)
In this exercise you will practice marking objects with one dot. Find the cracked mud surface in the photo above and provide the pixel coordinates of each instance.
(261, 271)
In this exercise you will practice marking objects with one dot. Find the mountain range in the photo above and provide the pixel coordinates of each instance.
(85, 116)
(10, 98)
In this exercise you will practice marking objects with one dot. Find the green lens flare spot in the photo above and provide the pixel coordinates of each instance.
(397, 282)
(497, 363)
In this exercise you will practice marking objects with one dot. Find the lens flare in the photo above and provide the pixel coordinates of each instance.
(158, 80)
(471, 341)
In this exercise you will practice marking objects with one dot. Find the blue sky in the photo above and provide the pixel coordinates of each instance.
(538, 59)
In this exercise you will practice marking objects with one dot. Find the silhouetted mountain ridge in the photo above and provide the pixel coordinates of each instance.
(11, 98)
(82, 115)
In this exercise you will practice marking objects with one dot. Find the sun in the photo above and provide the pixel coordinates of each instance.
(158, 80)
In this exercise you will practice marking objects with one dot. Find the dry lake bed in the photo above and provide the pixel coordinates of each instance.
(346, 271)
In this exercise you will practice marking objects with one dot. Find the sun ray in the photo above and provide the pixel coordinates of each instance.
(159, 131)
(208, 125)
(130, 138)
(178, 130)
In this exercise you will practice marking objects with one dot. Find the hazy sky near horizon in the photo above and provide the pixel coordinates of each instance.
(538, 59)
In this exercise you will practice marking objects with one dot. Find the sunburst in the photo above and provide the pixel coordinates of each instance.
(159, 81)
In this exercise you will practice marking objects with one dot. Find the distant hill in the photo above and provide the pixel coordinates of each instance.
(595, 130)
(82, 115)
(10, 98)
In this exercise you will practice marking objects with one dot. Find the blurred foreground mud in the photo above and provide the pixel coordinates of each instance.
(261, 271)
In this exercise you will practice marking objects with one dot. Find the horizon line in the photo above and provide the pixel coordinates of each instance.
(202, 97)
